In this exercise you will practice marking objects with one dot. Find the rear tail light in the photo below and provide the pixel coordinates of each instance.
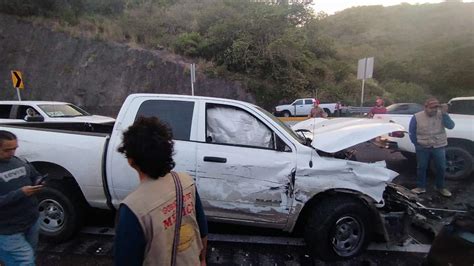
(397, 134)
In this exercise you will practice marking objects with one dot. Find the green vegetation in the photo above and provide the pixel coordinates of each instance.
(418, 49)
(284, 51)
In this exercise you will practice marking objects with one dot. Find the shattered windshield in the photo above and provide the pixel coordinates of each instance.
(62, 110)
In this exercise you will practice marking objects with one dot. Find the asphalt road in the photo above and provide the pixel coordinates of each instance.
(96, 249)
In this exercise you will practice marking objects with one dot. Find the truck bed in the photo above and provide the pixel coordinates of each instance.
(75, 128)
(77, 148)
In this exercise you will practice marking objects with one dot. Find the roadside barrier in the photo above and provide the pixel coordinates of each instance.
(293, 118)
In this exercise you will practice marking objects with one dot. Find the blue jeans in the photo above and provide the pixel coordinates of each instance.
(423, 156)
(19, 248)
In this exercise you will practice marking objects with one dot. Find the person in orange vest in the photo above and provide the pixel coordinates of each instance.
(151, 229)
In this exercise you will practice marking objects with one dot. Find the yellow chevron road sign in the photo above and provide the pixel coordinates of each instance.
(17, 79)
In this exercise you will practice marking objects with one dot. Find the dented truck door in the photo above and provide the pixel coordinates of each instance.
(244, 169)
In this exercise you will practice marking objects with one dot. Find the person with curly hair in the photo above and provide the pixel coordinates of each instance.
(150, 231)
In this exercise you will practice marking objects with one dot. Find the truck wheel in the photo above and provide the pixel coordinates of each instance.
(338, 228)
(286, 114)
(459, 163)
(60, 215)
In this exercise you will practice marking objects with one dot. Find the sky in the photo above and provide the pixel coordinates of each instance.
(332, 6)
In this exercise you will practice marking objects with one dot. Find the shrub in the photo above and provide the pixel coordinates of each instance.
(188, 44)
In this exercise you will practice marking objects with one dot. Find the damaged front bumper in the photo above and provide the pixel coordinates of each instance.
(402, 208)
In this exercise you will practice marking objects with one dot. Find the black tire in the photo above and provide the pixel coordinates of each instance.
(61, 213)
(331, 225)
(409, 155)
(286, 114)
(459, 163)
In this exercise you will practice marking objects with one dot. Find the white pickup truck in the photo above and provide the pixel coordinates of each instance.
(249, 168)
(460, 149)
(302, 107)
(47, 111)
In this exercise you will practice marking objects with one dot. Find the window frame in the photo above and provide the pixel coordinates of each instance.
(193, 104)
(273, 134)
(9, 112)
(463, 105)
(301, 102)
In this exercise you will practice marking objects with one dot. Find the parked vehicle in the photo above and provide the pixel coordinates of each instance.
(47, 111)
(302, 107)
(460, 149)
(404, 108)
(461, 106)
(249, 167)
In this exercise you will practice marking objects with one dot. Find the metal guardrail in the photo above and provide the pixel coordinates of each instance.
(293, 118)
(358, 109)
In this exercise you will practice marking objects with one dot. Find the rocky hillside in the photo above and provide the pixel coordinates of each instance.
(94, 74)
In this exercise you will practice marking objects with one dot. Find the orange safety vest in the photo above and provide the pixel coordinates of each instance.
(154, 204)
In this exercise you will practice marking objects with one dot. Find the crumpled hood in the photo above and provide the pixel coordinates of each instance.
(333, 135)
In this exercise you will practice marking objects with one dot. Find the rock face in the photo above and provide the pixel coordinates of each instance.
(94, 74)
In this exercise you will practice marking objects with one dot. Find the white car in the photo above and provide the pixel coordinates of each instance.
(47, 111)
(302, 107)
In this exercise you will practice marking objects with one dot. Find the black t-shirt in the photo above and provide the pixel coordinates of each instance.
(17, 211)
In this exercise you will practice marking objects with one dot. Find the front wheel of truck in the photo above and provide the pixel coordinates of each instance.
(338, 228)
(61, 214)
(286, 113)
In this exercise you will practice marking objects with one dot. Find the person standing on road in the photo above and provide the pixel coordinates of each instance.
(428, 134)
(378, 108)
(317, 111)
(147, 219)
(338, 108)
(19, 224)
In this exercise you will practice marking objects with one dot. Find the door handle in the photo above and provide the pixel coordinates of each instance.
(215, 159)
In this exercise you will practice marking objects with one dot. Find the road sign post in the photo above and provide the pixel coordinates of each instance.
(18, 94)
(365, 69)
(17, 82)
(193, 77)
